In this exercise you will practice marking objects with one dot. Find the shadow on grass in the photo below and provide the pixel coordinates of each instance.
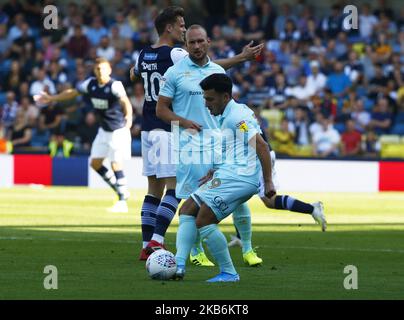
(300, 264)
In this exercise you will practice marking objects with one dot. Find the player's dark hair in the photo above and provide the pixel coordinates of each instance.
(219, 82)
(168, 16)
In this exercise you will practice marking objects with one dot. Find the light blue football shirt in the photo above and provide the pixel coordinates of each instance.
(181, 84)
(238, 126)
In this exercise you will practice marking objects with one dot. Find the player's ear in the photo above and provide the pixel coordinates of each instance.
(169, 28)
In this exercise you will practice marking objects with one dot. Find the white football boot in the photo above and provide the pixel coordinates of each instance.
(318, 215)
(119, 207)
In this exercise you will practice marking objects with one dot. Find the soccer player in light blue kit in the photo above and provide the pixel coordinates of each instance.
(180, 88)
(235, 181)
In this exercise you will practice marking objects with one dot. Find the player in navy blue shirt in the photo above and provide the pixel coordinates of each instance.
(113, 140)
(158, 211)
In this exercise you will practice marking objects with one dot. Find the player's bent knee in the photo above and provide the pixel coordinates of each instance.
(189, 208)
(205, 217)
(269, 203)
(96, 164)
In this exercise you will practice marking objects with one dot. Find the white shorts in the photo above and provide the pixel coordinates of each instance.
(115, 145)
(156, 154)
(261, 192)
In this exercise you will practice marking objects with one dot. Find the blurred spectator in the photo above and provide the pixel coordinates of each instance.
(96, 31)
(293, 70)
(258, 93)
(253, 31)
(285, 14)
(316, 81)
(78, 45)
(360, 116)
(326, 140)
(261, 120)
(302, 91)
(50, 119)
(10, 110)
(381, 117)
(242, 16)
(124, 29)
(283, 138)
(87, 131)
(20, 134)
(13, 8)
(353, 68)
(115, 39)
(137, 99)
(56, 75)
(311, 32)
(338, 81)
(228, 29)
(59, 146)
(367, 22)
(18, 27)
(278, 92)
(222, 50)
(377, 85)
(290, 33)
(14, 77)
(382, 47)
(351, 140)
(24, 45)
(301, 123)
(105, 50)
(29, 110)
(267, 13)
(42, 83)
(332, 24)
(5, 43)
(371, 144)
(136, 136)
(316, 125)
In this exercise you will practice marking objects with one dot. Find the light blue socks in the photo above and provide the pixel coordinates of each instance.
(217, 245)
(242, 221)
(186, 236)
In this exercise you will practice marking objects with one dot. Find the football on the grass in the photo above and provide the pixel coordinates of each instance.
(161, 265)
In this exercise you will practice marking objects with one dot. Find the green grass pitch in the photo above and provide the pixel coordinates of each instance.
(96, 253)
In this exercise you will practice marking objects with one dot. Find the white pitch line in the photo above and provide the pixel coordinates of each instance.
(261, 246)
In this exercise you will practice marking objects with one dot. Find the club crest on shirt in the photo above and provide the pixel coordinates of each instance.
(216, 182)
(242, 125)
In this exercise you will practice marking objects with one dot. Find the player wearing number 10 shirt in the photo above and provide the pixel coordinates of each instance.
(153, 61)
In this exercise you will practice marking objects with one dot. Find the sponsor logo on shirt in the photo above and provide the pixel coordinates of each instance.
(150, 56)
(100, 104)
(195, 93)
(242, 125)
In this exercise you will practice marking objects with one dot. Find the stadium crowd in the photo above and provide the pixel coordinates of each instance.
(317, 89)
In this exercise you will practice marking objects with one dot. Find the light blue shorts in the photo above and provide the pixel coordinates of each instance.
(187, 178)
(224, 193)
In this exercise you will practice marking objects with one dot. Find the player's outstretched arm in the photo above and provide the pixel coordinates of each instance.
(164, 112)
(265, 159)
(132, 74)
(45, 98)
(249, 53)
